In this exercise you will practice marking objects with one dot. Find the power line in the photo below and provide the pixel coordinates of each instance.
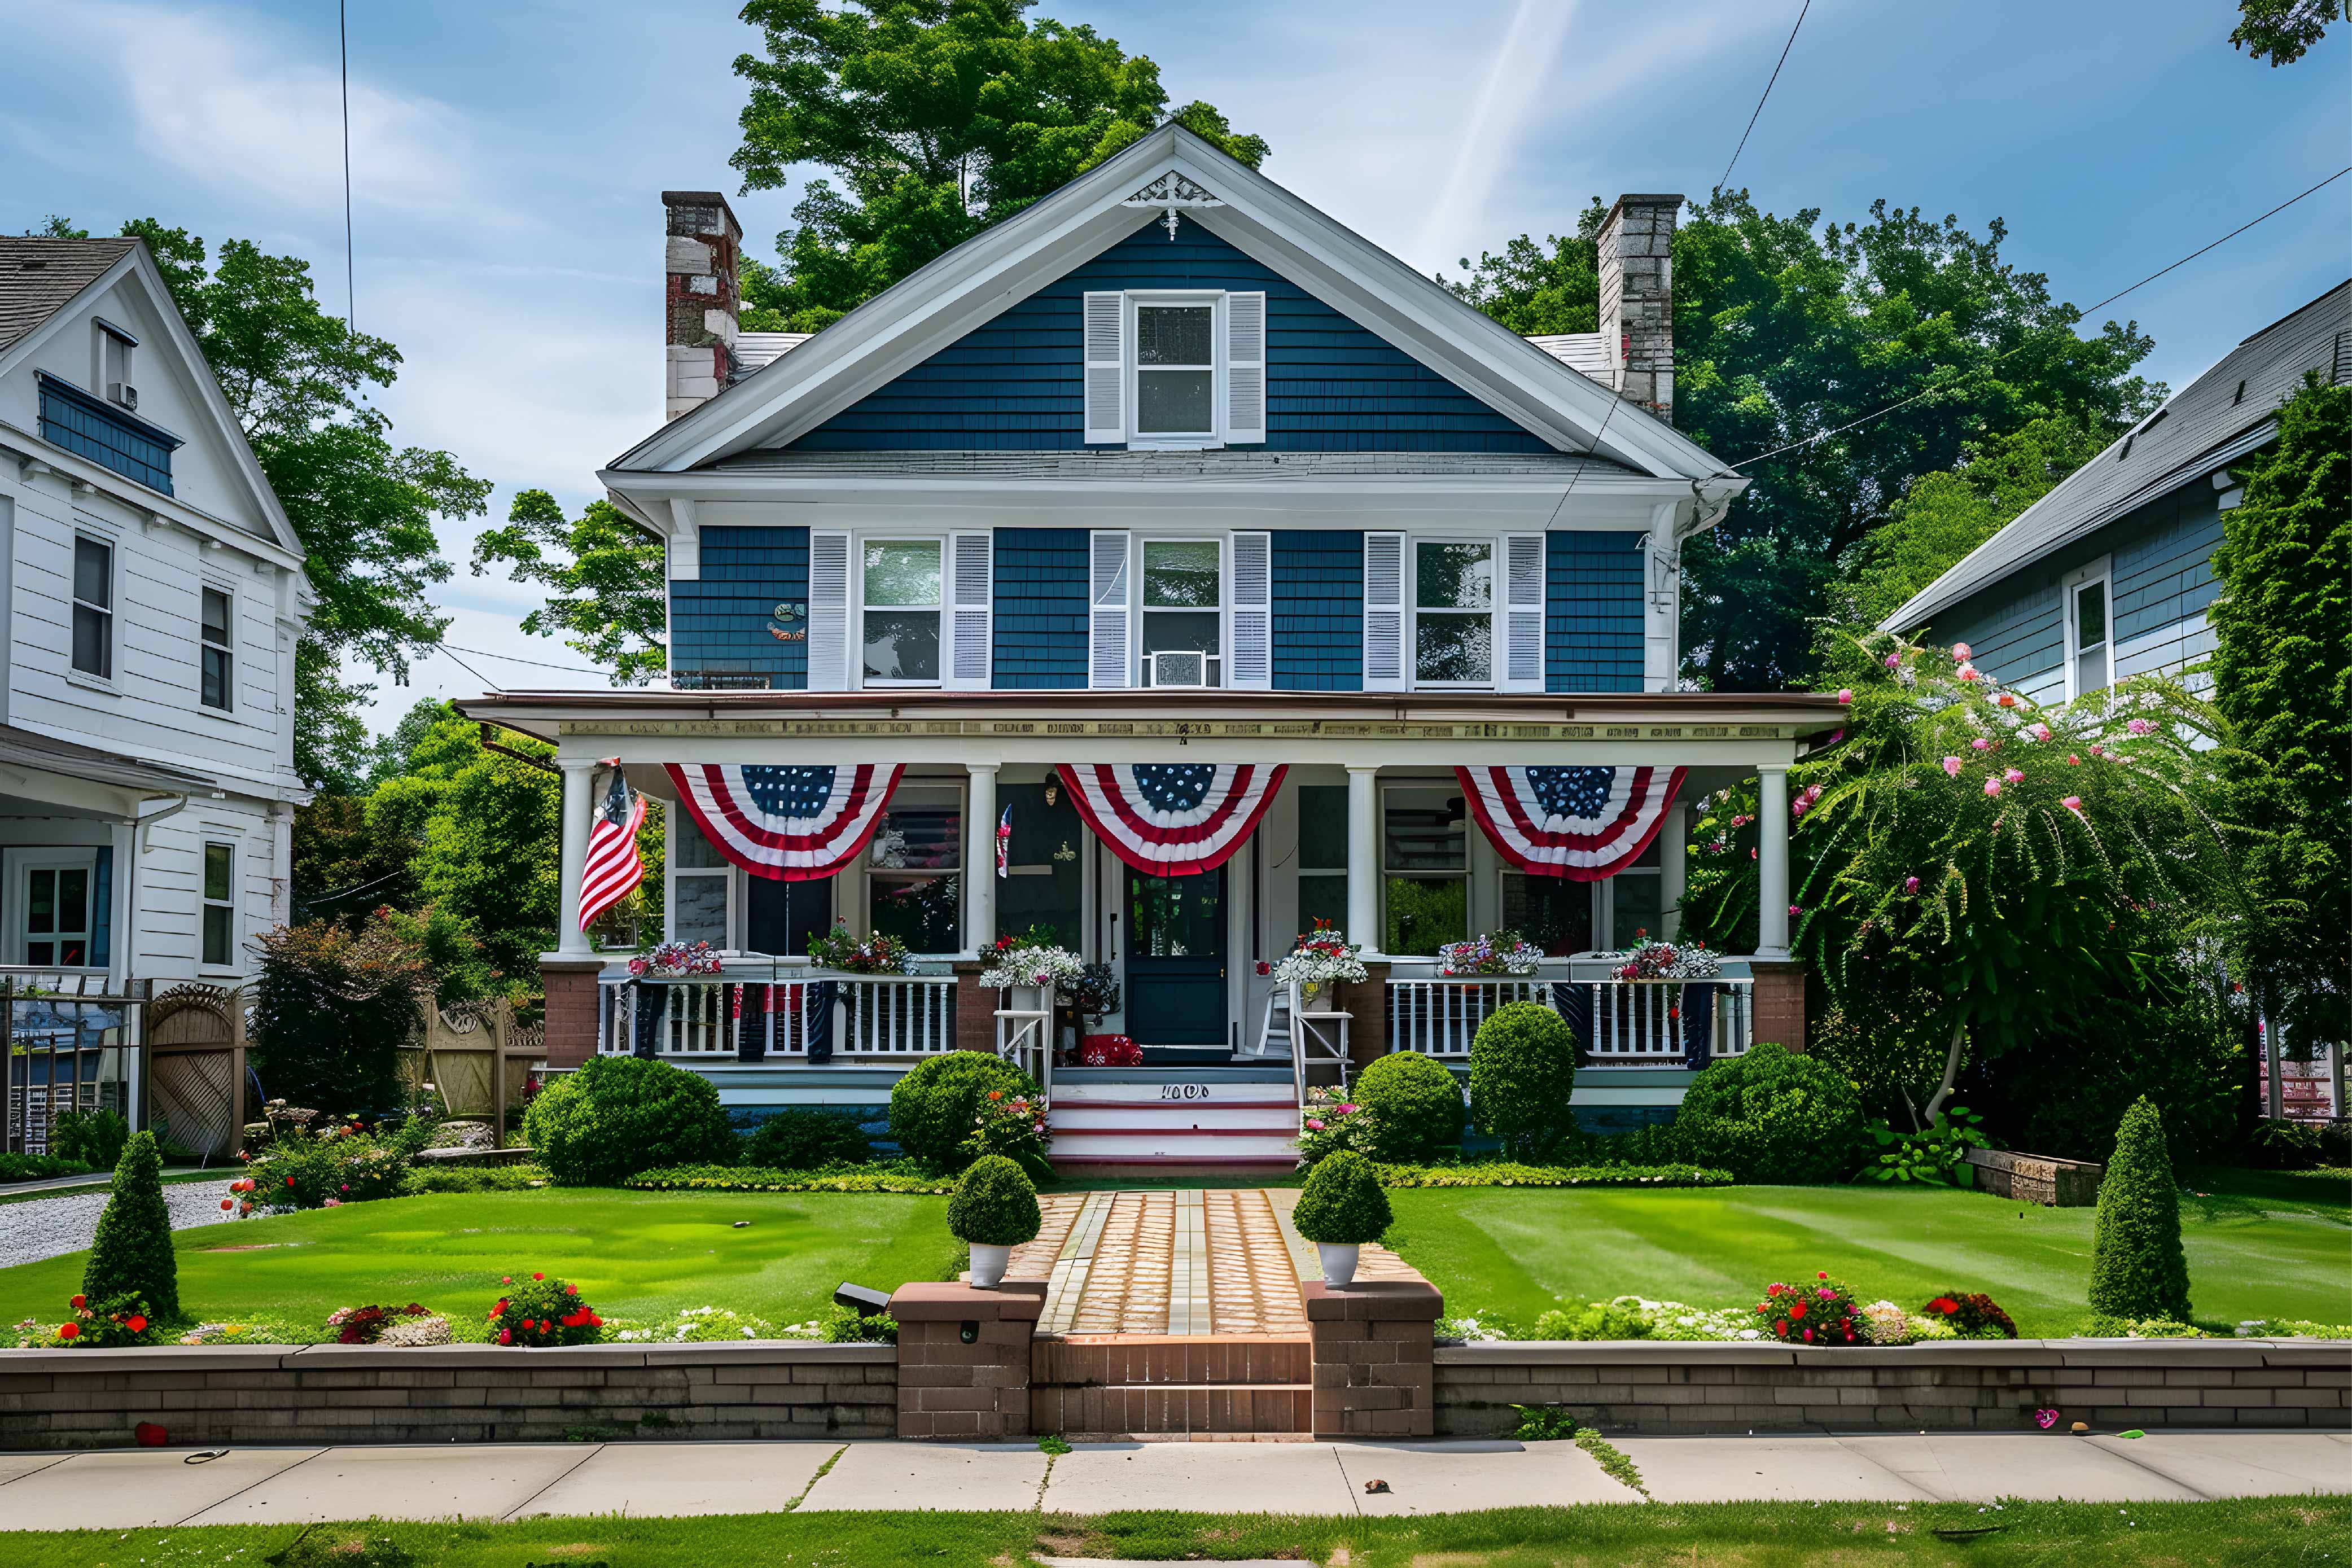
(1979, 370)
(442, 649)
(343, 36)
(1768, 93)
(534, 663)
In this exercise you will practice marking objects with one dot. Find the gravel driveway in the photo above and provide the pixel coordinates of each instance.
(44, 1228)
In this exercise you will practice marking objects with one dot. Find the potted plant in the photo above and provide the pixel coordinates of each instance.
(1504, 952)
(995, 1209)
(1341, 1208)
(1029, 969)
(1319, 957)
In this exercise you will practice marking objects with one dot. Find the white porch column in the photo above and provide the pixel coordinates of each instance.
(1772, 861)
(1674, 867)
(1364, 859)
(579, 781)
(980, 858)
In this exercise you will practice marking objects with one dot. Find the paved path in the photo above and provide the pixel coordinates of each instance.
(124, 1490)
(45, 1228)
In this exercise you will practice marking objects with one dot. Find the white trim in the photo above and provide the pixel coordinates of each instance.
(21, 862)
(1111, 624)
(2100, 573)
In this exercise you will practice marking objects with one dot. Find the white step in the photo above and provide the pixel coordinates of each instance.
(1113, 1118)
(1173, 1146)
(1173, 1095)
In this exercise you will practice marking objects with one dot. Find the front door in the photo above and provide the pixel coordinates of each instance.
(1176, 959)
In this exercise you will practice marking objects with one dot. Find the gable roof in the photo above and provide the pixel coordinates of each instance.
(2228, 412)
(971, 284)
(40, 276)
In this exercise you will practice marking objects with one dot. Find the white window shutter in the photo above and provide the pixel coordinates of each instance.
(1245, 369)
(1522, 642)
(1109, 662)
(1384, 651)
(970, 602)
(828, 616)
(1251, 668)
(1106, 367)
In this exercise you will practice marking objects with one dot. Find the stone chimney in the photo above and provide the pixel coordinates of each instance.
(1637, 300)
(703, 298)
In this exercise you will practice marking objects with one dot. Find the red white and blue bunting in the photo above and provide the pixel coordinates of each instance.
(1173, 819)
(786, 824)
(1584, 823)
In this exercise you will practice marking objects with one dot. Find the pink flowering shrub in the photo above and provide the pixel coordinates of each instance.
(1818, 1313)
(1329, 1121)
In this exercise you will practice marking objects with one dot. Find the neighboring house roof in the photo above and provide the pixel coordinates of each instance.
(1586, 352)
(26, 748)
(40, 276)
(756, 351)
(2224, 415)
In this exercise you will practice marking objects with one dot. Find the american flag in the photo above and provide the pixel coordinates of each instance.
(612, 870)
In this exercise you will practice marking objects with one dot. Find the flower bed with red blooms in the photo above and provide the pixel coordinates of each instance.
(1972, 1314)
(540, 1312)
(365, 1325)
(1821, 1313)
(119, 1322)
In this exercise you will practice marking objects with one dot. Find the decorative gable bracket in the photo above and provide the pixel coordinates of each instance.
(1171, 191)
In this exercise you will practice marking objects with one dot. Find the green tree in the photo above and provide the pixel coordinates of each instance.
(487, 826)
(2280, 31)
(938, 118)
(2282, 672)
(604, 580)
(1533, 291)
(132, 1253)
(2137, 1268)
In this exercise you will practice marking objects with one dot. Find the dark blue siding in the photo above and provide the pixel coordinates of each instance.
(94, 428)
(1014, 384)
(1041, 609)
(1592, 612)
(1318, 610)
(721, 622)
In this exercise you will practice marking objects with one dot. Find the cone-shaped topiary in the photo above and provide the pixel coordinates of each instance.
(1416, 1108)
(994, 1205)
(2138, 1270)
(1342, 1203)
(133, 1253)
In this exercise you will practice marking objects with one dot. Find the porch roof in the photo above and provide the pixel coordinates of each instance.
(24, 748)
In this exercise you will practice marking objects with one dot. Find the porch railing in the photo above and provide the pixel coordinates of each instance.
(1440, 1017)
(1619, 1022)
(778, 1012)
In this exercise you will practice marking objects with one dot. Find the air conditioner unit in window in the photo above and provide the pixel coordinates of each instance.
(122, 392)
(1179, 669)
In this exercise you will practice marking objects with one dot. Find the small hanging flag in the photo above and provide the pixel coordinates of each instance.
(1004, 843)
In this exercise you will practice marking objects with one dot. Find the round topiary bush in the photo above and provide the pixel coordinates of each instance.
(1522, 1078)
(933, 1108)
(1416, 1108)
(1772, 1115)
(993, 1205)
(1342, 1203)
(2138, 1270)
(615, 1116)
(806, 1141)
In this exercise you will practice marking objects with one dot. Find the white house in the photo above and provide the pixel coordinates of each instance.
(150, 597)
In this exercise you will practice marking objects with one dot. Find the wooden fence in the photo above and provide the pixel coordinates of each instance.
(477, 1058)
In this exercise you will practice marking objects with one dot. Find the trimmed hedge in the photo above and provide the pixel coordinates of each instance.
(1772, 1115)
(806, 1139)
(2137, 1268)
(994, 1205)
(934, 1107)
(1416, 1106)
(1342, 1202)
(1522, 1078)
(614, 1116)
(1507, 1173)
(755, 1179)
(131, 1254)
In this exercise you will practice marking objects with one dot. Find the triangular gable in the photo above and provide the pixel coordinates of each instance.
(914, 320)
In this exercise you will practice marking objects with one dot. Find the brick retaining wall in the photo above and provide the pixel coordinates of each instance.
(1980, 1384)
(445, 1394)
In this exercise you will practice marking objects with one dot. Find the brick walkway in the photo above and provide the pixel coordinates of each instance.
(1226, 1261)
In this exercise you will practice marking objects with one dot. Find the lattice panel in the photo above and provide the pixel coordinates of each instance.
(195, 1097)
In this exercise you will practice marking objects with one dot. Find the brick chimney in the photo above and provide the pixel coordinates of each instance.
(703, 298)
(1637, 300)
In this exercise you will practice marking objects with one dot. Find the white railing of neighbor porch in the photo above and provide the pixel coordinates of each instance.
(714, 1017)
(1627, 1022)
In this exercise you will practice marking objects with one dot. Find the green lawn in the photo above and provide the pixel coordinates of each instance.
(633, 1255)
(2259, 1244)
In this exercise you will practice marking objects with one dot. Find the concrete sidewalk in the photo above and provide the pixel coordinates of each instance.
(131, 1488)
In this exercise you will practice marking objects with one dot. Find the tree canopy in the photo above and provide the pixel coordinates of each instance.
(604, 577)
(2283, 31)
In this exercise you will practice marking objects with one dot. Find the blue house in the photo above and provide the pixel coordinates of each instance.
(1171, 568)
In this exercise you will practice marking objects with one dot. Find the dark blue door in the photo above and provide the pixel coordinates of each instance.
(1176, 959)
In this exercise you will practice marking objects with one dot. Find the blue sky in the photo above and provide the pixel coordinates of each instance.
(507, 157)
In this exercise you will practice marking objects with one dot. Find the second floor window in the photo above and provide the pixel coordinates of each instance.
(1184, 612)
(901, 586)
(1175, 370)
(1453, 612)
(93, 607)
(216, 656)
(220, 905)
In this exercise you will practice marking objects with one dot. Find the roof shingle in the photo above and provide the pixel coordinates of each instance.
(39, 277)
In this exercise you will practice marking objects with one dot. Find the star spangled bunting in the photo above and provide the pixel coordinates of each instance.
(1173, 819)
(786, 824)
(611, 869)
(1583, 824)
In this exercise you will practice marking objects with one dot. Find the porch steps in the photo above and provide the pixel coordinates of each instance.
(1234, 1387)
(1220, 1119)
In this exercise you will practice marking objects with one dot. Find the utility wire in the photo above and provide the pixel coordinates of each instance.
(534, 663)
(442, 649)
(1768, 93)
(343, 36)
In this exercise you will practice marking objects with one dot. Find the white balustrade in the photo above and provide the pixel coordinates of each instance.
(771, 1009)
(1620, 1021)
(1440, 1017)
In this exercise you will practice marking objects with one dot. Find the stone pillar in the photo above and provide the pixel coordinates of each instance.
(703, 300)
(579, 783)
(980, 858)
(571, 1004)
(1367, 1003)
(1779, 1001)
(975, 1009)
(1364, 859)
(1772, 861)
(1674, 868)
(963, 1358)
(1375, 1361)
(1637, 298)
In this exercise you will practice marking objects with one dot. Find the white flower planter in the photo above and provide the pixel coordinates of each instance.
(1338, 1261)
(989, 1263)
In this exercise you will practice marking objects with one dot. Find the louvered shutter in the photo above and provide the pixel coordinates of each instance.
(970, 599)
(1251, 666)
(1108, 660)
(828, 616)
(1384, 655)
(1106, 368)
(1245, 369)
(1522, 642)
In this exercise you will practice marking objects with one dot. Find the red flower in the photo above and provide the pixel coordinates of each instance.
(571, 1289)
(79, 1303)
(68, 1330)
(289, 1181)
(1809, 1336)
(539, 1276)
(1821, 1273)
(594, 1322)
(136, 1324)
(1771, 1289)
(1945, 1305)
(1796, 1308)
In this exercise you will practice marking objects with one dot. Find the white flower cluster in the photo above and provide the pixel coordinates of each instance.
(699, 1325)
(1681, 1320)
(1049, 966)
(1320, 957)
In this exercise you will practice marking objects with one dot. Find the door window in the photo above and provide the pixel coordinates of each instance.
(1176, 917)
(1426, 856)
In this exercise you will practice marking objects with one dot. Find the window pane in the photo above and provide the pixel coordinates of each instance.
(918, 833)
(73, 901)
(216, 935)
(40, 952)
(2090, 615)
(212, 677)
(1453, 647)
(1181, 631)
(1453, 576)
(1180, 573)
(1424, 913)
(924, 912)
(218, 860)
(691, 847)
(93, 573)
(1553, 912)
(1172, 402)
(1322, 898)
(1323, 827)
(215, 616)
(698, 910)
(1425, 830)
(902, 644)
(1172, 335)
(41, 901)
(93, 640)
(904, 571)
(1637, 911)
(1176, 917)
